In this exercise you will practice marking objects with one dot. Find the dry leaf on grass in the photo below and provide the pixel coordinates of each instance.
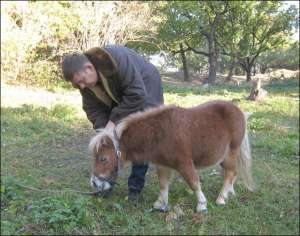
(49, 180)
(243, 200)
(179, 212)
(174, 215)
(197, 218)
(170, 216)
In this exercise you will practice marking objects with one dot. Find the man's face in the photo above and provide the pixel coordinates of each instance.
(86, 78)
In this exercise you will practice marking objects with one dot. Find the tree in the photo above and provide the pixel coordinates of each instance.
(253, 28)
(286, 57)
(172, 31)
(192, 26)
(206, 18)
(35, 35)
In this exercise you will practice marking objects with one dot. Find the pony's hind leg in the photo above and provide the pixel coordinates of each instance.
(164, 175)
(229, 167)
(189, 172)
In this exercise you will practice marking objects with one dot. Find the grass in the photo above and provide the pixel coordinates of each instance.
(47, 148)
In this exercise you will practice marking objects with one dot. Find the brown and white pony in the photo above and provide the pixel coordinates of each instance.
(177, 138)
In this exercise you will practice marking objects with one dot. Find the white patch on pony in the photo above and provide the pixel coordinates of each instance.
(162, 201)
(226, 190)
(202, 202)
(247, 115)
(104, 185)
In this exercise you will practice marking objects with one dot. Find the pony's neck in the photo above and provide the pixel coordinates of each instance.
(140, 132)
(133, 144)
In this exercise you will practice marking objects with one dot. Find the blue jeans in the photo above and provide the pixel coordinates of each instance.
(136, 180)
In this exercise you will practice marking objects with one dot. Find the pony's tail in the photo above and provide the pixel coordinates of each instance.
(244, 160)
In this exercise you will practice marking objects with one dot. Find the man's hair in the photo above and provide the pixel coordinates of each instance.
(73, 63)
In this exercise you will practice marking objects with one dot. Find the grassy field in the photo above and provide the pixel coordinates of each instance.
(46, 147)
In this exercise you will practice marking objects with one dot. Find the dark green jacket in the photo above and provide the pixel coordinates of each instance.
(128, 84)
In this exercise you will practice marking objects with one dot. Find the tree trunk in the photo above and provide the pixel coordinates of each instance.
(263, 68)
(254, 70)
(212, 60)
(230, 73)
(184, 64)
(246, 65)
(248, 74)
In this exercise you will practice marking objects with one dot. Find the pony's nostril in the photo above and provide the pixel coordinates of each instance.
(94, 184)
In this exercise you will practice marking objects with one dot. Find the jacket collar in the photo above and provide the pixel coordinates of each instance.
(105, 65)
(102, 61)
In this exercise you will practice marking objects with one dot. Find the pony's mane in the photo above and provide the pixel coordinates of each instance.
(100, 138)
(102, 134)
(141, 115)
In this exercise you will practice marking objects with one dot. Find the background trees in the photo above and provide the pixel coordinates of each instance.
(193, 35)
(253, 28)
(35, 35)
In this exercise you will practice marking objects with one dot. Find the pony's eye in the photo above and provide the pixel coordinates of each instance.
(103, 159)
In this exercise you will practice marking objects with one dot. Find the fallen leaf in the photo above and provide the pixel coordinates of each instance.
(179, 212)
(243, 200)
(281, 214)
(49, 180)
(197, 218)
(170, 216)
(15, 163)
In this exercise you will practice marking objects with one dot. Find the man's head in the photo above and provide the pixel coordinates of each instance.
(79, 71)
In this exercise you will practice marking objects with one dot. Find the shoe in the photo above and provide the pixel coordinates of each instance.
(133, 197)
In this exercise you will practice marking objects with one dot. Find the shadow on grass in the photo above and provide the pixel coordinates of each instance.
(45, 146)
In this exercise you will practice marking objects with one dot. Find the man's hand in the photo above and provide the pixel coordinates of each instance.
(110, 125)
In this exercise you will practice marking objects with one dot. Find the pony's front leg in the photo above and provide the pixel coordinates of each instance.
(164, 175)
(189, 172)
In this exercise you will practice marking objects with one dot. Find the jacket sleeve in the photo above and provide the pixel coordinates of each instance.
(97, 112)
(133, 91)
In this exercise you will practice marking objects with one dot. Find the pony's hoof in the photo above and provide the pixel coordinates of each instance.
(162, 209)
(202, 209)
(220, 201)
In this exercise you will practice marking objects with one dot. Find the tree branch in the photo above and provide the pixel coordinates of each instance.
(178, 51)
(197, 51)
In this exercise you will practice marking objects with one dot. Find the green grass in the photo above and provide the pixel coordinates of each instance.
(47, 149)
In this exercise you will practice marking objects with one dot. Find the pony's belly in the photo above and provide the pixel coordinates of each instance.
(213, 158)
(203, 163)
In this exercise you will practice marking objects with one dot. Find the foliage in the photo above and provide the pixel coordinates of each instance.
(286, 57)
(36, 34)
(191, 26)
(255, 27)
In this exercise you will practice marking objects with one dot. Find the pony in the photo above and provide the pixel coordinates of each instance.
(181, 139)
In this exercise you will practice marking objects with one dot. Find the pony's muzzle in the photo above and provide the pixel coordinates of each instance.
(100, 184)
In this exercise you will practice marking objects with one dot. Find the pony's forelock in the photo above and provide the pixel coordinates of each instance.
(99, 139)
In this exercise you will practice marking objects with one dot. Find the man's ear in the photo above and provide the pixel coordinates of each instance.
(88, 66)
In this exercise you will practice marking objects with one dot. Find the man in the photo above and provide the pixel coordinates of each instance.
(114, 82)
